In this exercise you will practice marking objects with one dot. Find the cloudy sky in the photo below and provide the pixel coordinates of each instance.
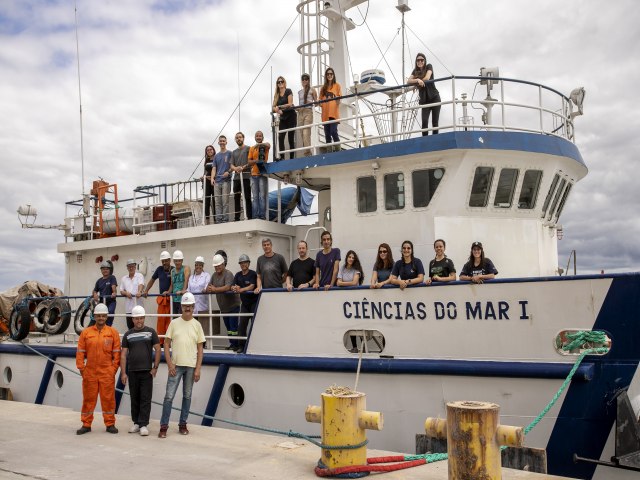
(160, 78)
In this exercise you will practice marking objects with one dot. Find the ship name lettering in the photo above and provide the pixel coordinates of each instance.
(449, 310)
(385, 310)
(478, 311)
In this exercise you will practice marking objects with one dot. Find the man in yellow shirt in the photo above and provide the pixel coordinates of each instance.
(183, 347)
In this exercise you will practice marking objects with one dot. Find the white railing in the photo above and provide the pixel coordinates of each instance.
(522, 106)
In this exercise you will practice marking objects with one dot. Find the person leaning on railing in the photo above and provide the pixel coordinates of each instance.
(330, 110)
(422, 73)
(282, 103)
(306, 95)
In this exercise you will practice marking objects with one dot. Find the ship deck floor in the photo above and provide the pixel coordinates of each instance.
(40, 442)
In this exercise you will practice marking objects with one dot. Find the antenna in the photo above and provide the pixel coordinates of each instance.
(79, 96)
(403, 7)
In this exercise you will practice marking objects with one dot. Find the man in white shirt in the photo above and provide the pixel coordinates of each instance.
(132, 287)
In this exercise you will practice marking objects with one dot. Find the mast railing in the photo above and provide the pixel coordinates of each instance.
(551, 112)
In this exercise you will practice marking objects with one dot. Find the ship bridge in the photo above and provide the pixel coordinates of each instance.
(496, 170)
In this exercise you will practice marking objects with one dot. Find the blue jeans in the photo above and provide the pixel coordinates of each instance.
(331, 132)
(259, 191)
(231, 324)
(186, 374)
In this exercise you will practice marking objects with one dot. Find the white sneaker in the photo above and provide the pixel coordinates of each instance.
(134, 429)
(144, 431)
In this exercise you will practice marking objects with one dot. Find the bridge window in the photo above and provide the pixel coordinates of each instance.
(481, 186)
(394, 191)
(563, 200)
(554, 183)
(425, 183)
(506, 187)
(367, 194)
(556, 198)
(530, 187)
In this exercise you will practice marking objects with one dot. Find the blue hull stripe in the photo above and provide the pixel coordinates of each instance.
(549, 370)
(44, 382)
(216, 393)
(589, 409)
(517, 141)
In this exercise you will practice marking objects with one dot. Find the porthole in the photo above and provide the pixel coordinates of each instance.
(7, 375)
(369, 341)
(58, 377)
(575, 342)
(236, 394)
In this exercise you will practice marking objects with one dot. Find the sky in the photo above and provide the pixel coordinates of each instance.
(160, 79)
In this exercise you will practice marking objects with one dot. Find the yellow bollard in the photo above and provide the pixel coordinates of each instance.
(344, 419)
(474, 439)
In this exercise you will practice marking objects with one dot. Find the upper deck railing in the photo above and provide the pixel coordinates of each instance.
(505, 104)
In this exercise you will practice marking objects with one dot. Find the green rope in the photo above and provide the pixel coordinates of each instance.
(584, 338)
(578, 339)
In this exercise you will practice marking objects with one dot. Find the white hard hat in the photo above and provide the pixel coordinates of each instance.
(218, 260)
(105, 264)
(244, 258)
(165, 255)
(137, 311)
(131, 261)
(199, 259)
(177, 255)
(101, 309)
(188, 299)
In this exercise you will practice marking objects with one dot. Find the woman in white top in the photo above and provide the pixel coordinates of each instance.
(350, 274)
(198, 285)
(306, 95)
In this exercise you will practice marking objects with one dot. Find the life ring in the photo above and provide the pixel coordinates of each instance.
(57, 317)
(84, 314)
(19, 322)
(38, 314)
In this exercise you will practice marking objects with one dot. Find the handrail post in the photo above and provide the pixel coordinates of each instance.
(453, 103)
(243, 202)
(540, 107)
(504, 127)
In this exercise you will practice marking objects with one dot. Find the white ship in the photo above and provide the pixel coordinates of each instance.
(500, 171)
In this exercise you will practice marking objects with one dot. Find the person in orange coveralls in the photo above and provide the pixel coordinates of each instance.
(99, 345)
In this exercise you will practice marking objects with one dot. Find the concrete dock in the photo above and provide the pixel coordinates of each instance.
(39, 442)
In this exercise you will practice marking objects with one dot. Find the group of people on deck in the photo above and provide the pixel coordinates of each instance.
(101, 354)
(243, 163)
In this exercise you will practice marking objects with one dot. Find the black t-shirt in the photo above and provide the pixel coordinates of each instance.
(287, 113)
(442, 268)
(103, 287)
(470, 270)
(140, 344)
(301, 271)
(243, 281)
(408, 271)
(429, 93)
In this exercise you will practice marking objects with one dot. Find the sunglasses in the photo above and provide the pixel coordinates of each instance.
(420, 60)
(329, 73)
(280, 81)
(382, 251)
(406, 248)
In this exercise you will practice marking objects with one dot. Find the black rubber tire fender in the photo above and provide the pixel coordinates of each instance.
(38, 314)
(83, 315)
(19, 323)
(57, 317)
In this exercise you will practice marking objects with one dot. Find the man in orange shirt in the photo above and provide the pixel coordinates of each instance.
(98, 359)
(259, 155)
